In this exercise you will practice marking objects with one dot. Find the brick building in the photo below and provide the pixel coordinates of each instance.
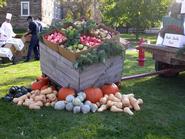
(48, 10)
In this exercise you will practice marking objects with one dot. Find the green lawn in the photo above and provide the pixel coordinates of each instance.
(162, 116)
(132, 38)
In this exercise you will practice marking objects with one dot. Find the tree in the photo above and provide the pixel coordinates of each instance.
(138, 14)
(2, 3)
(78, 8)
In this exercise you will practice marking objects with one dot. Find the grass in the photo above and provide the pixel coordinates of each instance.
(132, 38)
(162, 116)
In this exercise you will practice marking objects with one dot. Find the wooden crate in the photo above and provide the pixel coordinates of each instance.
(61, 70)
(72, 56)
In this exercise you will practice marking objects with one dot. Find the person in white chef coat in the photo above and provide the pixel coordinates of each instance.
(7, 28)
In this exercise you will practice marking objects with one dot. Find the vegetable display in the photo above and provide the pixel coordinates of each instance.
(80, 37)
(92, 99)
(55, 37)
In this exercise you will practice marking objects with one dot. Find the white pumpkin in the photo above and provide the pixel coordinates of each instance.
(87, 102)
(77, 102)
(76, 109)
(94, 107)
(85, 109)
(69, 106)
(82, 94)
(59, 105)
(82, 98)
(69, 98)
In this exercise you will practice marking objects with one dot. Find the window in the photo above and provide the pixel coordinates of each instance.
(25, 8)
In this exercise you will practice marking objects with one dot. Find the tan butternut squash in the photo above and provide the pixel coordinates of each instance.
(127, 110)
(115, 109)
(134, 103)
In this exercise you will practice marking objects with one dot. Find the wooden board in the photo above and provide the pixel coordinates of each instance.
(61, 70)
(165, 54)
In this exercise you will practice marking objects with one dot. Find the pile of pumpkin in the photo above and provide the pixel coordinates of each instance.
(91, 99)
(97, 99)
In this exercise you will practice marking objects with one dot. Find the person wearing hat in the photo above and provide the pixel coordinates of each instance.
(34, 39)
(7, 27)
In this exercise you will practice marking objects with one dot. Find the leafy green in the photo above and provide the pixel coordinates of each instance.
(87, 27)
(73, 36)
(101, 54)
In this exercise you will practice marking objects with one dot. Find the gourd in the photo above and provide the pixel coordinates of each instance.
(113, 98)
(77, 102)
(33, 106)
(22, 98)
(59, 105)
(134, 103)
(127, 110)
(69, 106)
(125, 100)
(102, 108)
(70, 98)
(81, 98)
(87, 102)
(115, 109)
(94, 107)
(110, 89)
(93, 94)
(40, 98)
(117, 104)
(104, 100)
(37, 85)
(64, 92)
(118, 95)
(139, 101)
(85, 109)
(76, 109)
(51, 97)
(46, 91)
(40, 83)
(82, 94)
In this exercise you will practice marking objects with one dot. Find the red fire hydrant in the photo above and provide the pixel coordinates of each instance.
(141, 53)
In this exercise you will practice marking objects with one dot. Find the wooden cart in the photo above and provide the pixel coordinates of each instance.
(166, 58)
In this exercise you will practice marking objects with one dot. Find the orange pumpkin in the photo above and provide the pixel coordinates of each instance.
(109, 89)
(93, 94)
(37, 85)
(44, 79)
(64, 92)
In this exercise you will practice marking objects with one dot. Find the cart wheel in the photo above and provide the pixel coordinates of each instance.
(161, 66)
